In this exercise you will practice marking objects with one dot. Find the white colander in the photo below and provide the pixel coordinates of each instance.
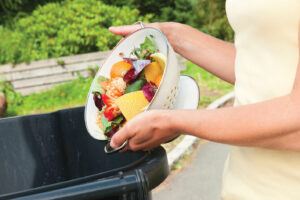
(167, 91)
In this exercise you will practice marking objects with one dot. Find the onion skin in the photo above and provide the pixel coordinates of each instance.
(129, 60)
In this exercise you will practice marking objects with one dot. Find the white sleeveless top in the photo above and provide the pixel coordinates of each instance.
(266, 40)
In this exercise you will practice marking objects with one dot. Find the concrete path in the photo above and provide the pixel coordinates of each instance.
(199, 179)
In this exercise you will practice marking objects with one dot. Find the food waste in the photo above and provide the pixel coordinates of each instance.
(130, 88)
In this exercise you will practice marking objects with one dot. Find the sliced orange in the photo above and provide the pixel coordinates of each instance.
(153, 71)
(157, 80)
(131, 104)
(160, 58)
(119, 68)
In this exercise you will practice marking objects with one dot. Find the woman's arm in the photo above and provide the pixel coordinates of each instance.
(214, 55)
(272, 124)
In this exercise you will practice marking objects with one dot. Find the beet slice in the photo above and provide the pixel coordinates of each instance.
(149, 90)
(135, 70)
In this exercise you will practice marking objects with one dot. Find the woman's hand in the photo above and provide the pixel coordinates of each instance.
(146, 131)
(170, 30)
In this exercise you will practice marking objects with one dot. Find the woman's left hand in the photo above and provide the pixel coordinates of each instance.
(146, 131)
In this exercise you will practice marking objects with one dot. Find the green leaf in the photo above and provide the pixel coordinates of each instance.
(135, 86)
(101, 79)
(146, 49)
(97, 87)
(148, 45)
(118, 120)
(107, 126)
(103, 109)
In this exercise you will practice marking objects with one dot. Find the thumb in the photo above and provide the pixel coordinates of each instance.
(119, 138)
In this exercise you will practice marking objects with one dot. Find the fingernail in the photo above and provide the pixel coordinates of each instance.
(112, 27)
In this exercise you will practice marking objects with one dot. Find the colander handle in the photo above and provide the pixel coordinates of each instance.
(108, 149)
(141, 24)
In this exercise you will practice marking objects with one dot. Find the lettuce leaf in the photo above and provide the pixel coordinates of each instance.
(146, 49)
(107, 126)
(97, 87)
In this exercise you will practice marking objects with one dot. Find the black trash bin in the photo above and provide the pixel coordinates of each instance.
(52, 156)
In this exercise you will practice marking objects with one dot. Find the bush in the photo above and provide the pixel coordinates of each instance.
(162, 10)
(64, 28)
(207, 15)
(77, 26)
(10, 10)
(210, 17)
(13, 46)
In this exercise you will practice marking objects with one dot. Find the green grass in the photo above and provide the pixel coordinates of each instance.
(75, 93)
(63, 96)
(211, 87)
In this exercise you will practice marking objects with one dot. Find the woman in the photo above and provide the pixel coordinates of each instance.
(264, 125)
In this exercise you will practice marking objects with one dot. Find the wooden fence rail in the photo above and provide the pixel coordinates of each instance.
(44, 74)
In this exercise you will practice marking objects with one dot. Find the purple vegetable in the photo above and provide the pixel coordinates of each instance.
(129, 76)
(139, 65)
(135, 70)
(149, 90)
(112, 132)
(129, 60)
(98, 100)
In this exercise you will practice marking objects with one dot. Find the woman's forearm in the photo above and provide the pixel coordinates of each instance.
(272, 124)
(214, 55)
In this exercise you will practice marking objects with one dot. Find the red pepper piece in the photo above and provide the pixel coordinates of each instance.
(109, 113)
(106, 100)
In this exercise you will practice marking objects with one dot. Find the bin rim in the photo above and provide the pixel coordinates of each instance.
(75, 181)
(36, 114)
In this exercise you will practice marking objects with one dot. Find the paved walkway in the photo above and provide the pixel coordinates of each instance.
(200, 179)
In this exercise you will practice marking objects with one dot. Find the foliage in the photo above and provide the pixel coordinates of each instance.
(162, 10)
(11, 10)
(207, 15)
(8, 90)
(211, 18)
(13, 46)
(76, 26)
(181, 11)
(64, 28)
